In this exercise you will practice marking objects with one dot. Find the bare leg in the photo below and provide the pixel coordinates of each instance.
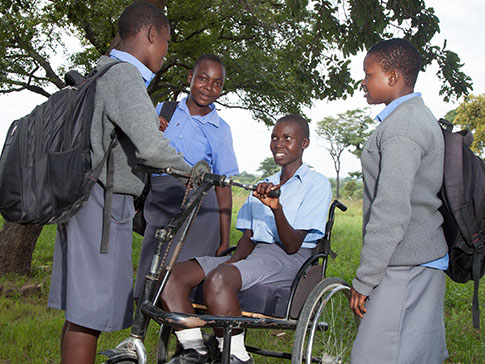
(79, 344)
(220, 293)
(184, 277)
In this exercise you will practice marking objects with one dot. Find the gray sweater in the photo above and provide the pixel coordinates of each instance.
(121, 99)
(402, 163)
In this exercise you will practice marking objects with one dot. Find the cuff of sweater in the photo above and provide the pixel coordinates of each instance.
(361, 287)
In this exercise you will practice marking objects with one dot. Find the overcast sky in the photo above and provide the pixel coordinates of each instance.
(461, 25)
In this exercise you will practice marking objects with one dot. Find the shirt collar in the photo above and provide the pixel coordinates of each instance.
(211, 117)
(299, 175)
(127, 57)
(394, 104)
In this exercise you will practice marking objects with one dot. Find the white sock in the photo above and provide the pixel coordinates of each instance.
(192, 339)
(237, 346)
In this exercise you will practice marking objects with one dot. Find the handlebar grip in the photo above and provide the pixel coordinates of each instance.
(340, 205)
(274, 193)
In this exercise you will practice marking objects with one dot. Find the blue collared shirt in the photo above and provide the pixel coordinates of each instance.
(394, 104)
(305, 198)
(440, 263)
(127, 57)
(198, 137)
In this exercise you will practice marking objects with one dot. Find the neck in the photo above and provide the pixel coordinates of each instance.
(196, 109)
(289, 171)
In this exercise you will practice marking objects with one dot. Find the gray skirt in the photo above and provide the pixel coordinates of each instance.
(162, 203)
(267, 264)
(95, 289)
(404, 322)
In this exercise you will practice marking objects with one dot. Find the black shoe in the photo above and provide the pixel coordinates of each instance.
(189, 356)
(234, 360)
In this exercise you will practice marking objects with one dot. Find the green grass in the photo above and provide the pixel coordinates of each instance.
(29, 331)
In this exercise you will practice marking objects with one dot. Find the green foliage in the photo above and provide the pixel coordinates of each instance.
(352, 189)
(280, 55)
(471, 115)
(451, 115)
(245, 177)
(268, 167)
(348, 130)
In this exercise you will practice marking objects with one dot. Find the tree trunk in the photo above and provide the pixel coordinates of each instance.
(17, 243)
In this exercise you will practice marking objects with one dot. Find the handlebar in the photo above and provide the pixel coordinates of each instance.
(213, 179)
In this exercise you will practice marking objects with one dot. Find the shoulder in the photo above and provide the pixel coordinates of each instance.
(121, 72)
(412, 120)
(224, 126)
(313, 177)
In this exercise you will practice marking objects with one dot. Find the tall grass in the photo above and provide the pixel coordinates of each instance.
(30, 332)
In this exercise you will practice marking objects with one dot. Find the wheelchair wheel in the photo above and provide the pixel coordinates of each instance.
(163, 341)
(327, 326)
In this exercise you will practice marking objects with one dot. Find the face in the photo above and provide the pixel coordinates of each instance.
(206, 82)
(158, 48)
(287, 143)
(377, 83)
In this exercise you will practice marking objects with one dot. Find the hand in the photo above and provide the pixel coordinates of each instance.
(262, 191)
(163, 123)
(357, 302)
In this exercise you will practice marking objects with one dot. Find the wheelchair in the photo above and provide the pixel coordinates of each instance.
(315, 307)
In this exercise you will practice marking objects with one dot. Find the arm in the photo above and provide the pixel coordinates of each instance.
(244, 247)
(390, 211)
(290, 238)
(127, 102)
(224, 199)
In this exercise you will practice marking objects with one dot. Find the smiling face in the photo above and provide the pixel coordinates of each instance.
(377, 84)
(288, 143)
(206, 84)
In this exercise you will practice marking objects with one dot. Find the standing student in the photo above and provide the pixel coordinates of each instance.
(400, 283)
(197, 131)
(94, 289)
(278, 237)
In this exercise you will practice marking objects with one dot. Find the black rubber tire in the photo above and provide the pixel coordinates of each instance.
(327, 303)
(163, 341)
(120, 356)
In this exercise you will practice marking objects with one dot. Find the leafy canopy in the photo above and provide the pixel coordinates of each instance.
(281, 55)
(471, 115)
(347, 130)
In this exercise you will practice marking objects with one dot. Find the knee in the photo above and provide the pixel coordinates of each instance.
(224, 279)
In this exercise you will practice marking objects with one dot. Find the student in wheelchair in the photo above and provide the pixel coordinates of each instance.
(278, 236)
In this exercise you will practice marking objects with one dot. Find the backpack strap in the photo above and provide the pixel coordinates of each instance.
(168, 108)
(108, 158)
(108, 192)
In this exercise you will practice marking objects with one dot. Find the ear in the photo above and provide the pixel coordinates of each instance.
(151, 34)
(190, 76)
(393, 77)
(305, 143)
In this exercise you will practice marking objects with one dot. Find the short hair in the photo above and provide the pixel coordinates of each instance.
(300, 121)
(399, 54)
(138, 15)
(209, 57)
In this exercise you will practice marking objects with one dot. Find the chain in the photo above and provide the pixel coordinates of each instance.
(196, 172)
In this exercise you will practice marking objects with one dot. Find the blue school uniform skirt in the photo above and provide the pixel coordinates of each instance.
(162, 203)
(95, 289)
(404, 322)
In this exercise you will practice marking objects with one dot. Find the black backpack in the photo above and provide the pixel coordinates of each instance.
(139, 223)
(46, 173)
(463, 210)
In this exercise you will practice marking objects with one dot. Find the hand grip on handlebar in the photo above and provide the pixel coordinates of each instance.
(274, 193)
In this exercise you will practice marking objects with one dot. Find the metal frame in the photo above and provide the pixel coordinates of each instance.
(159, 273)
